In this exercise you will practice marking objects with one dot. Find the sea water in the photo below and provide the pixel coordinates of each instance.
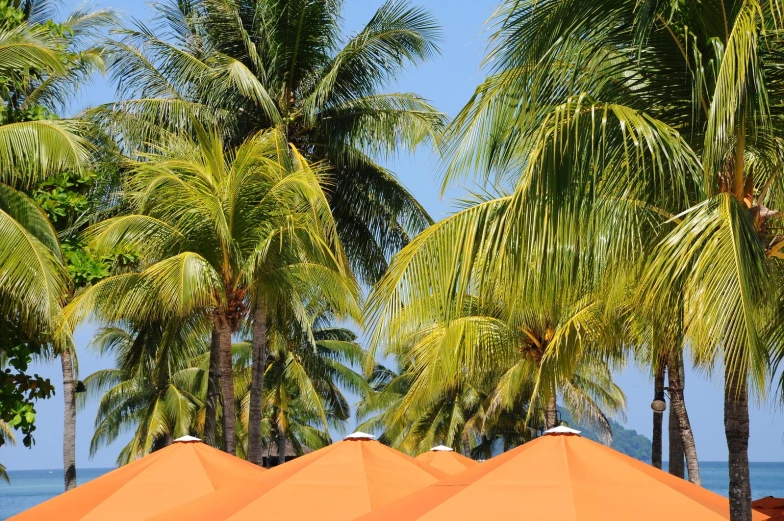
(767, 479)
(30, 487)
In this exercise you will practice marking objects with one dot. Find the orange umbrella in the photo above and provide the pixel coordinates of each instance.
(560, 476)
(446, 459)
(336, 483)
(181, 472)
(770, 506)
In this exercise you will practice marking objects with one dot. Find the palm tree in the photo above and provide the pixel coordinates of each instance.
(290, 276)
(156, 388)
(201, 218)
(456, 418)
(646, 132)
(493, 344)
(660, 348)
(251, 65)
(42, 65)
(307, 372)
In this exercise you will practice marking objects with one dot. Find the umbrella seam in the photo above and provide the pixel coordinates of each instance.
(569, 478)
(366, 481)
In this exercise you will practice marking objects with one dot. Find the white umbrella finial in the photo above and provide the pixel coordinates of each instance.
(561, 430)
(360, 436)
(187, 439)
(442, 448)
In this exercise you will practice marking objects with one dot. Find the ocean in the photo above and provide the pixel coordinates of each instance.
(30, 487)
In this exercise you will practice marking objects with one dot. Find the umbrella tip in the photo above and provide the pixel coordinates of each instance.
(187, 439)
(359, 436)
(442, 448)
(561, 430)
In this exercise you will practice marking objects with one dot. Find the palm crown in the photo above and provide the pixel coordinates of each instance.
(642, 135)
(214, 227)
(248, 65)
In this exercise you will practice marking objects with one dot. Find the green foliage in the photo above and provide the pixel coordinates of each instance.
(68, 199)
(18, 389)
(64, 197)
(10, 16)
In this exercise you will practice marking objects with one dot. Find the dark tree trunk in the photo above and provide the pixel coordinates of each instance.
(676, 463)
(227, 388)
(213, 391)
(658, 417)
(255, 447)
(69, 422)
(551, 411)
(736, 428)
(281, 448)
(677, 378)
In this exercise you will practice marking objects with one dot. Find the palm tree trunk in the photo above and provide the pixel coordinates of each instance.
(676, 461)
(227, 388)
(658, 417)
(551, 411)
(681, 416)
(736, 429)
(677, 467)
(69, 427)
(255, 447)
(281, 448)
(213, 390)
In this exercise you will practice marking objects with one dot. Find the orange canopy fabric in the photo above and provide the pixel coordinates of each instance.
(770, 506)
(336, 483)
(564, 477)
(446, 460)
(155, 483)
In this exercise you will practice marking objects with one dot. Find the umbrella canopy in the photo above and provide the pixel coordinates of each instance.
(560, 476)
(446, 459)
(770, 506)
(336, 483)
(181, 472)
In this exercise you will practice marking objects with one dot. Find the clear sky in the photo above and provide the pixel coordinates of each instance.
(447, 82)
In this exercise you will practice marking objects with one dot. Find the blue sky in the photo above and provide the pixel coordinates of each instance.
(447, 82)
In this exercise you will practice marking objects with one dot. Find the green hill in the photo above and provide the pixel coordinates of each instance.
(626, 441)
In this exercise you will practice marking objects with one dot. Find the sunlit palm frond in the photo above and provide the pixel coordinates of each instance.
(33, 281)
(26, 47)
(30, 150)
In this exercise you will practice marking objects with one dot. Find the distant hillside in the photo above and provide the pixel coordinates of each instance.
(627, 441)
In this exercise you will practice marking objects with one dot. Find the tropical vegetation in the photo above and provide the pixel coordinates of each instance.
(228, 225)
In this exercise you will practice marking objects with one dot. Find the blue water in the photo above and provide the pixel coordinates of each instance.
(767, 479)
(30, 487)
